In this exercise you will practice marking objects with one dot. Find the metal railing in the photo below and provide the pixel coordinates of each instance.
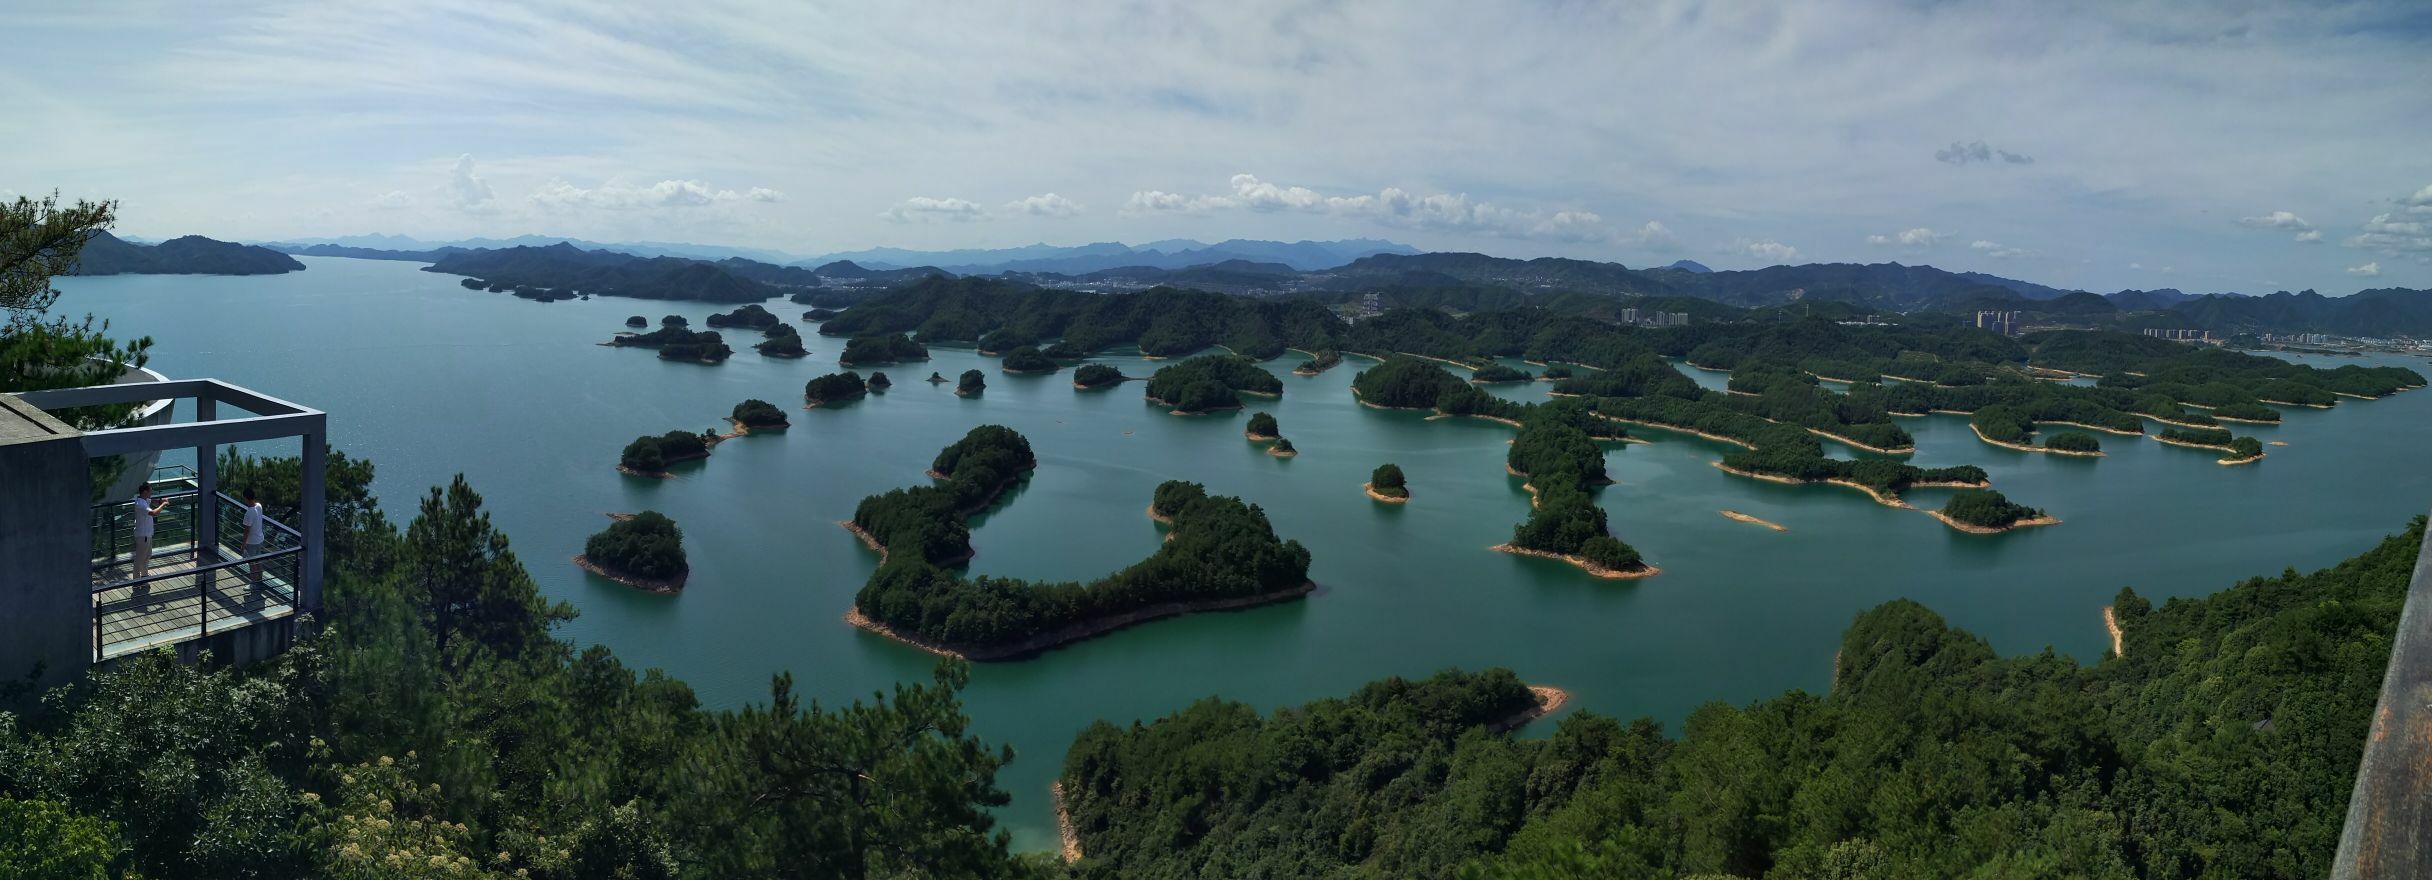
(2389, 827)
(193, 603)
(173, 535)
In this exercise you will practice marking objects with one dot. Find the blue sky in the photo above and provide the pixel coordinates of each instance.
(2246, 146)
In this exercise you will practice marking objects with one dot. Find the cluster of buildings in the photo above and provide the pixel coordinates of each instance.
(1654, 318)
(2004, 323)
(2201, 336)
(2300, 338)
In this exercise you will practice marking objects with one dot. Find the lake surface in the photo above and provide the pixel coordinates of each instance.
(429, 379)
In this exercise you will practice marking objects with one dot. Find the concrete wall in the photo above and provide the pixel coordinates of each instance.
(46, 604)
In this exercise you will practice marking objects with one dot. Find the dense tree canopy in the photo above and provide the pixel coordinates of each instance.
(1986, 508)
(750, 315)
(998, 315)
(653, 454)
(647, 544)
(1500, 373)
(757, 413)
(834, 387)
(1387, 480)
(1262, 425)
(1027, 359)
(1209, 382)
(972, 382)
(1096, 376)
(883, 349)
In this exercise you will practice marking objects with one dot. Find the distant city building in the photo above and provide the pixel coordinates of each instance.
(2004, 323)
(1654, 318)
(2180, 335)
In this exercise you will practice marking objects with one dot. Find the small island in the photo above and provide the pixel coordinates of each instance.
(1498, 373)
(1385, 484)
(1097, 376)
(935, 379)
(636, 321)
(674, 321)
(1554, 373)
(835, 388)
(971, 383)
(1319, 362)
(879, 383)
(759, 415)
(783, 341)
(1986, 512)
(2009, 427)
(881, 349)
(2244, 450)
(1737, 516)
(1209, 383)
(1282, 448)
(644, 551)
(649, 456)
(818, 314)
(750, 316)
(1027, 359)
(1262, 427)
(678, 344)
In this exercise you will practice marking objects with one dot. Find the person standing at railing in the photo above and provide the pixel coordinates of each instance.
(253, 533)
(146, 513)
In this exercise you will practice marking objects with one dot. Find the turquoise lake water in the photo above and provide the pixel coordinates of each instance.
(428, 379)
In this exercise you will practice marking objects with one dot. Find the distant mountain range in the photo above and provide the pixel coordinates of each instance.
(106, 254)
(1083, 259)
(401, 243)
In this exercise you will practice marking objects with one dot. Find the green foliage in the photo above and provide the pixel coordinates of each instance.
(884, 349)
(647, 544)
(634, 321)
(2073, 441)
(782, 345)
(1282, 446)
(757, 413)
(653, 454)
(1096, 376)
(819, 314)
(1387, 480)
(972, 382)
(1325, 359)
(1163, 322)
(880, 382)
(2247, 412)
(1554, 372)
(2219, 437)
(750, 315)
(1415, 383)
(1263, 424)
(1027, 359)
(2003, 423)
(836, 387)
(1209, 382)
(2246, 447)
(41, 840)
(1173, 495)
(1500, 373)
(1986, 508)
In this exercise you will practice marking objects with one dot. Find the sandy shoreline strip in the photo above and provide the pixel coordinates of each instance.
(1742, 517)
(668, 587)
(1370, 488)
(1981, 530)
(2111, 624)
(1083, 630)
(1979, 432)
(2234, 462)
(1550, 699)
(1880, 498)
(1642, 571)
(1911, 449)
(1069, 838)
(2157, 438)
(1693, 432)
(1159, 517)
(2115, 431)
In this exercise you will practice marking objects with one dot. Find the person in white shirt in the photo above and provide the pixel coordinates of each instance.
(253, 531)
(146, 512)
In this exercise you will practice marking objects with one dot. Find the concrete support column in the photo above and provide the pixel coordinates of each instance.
(312, 511)
(207, 498)
(46, 542)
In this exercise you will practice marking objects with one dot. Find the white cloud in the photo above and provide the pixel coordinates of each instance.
(1766, 249)
(923, 209)
(1653, 235)
(2368, 270)
(2310, 236)
(1914, 237)
(468, 191)
(1043, 205)
(2404, 232)
(395, 198)
(2137, 266)
(1397, 207)
(663, 194)
(1998, 250)
(2284, 220)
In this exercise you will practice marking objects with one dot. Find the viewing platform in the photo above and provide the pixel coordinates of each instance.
(70, 594)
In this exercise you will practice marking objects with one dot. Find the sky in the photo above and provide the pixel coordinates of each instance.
(2208, 146)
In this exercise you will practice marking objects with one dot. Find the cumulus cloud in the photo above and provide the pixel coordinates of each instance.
(923, 209)
(1656, 236)
(1914, 237)
(467, 190)
(1997, 250)
(1394, 206)
(1043, 205)
(2368, 270)
(2400, 233)
(2284, 220)
(1764, 249)
(395, 198)
(1959, 153)
(663, 194)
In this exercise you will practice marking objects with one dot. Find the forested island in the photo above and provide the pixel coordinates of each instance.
(1282, 448)
(1986, 512)
(835, 387)
(759, 415)
(676, 343)
(649, 456)
(644, 551)
(1386, 484)
(972, 382)
(1097, 376)
(882, 349)
(1221, 553)
(818, 314)
(1405, 778)
(1319, 362)
(880, 383)
(1210, 382)
(1262, 427)
(1494, 373)
(783, 341)
(1027, 359)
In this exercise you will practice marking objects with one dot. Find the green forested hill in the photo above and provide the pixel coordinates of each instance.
(2222, 745)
